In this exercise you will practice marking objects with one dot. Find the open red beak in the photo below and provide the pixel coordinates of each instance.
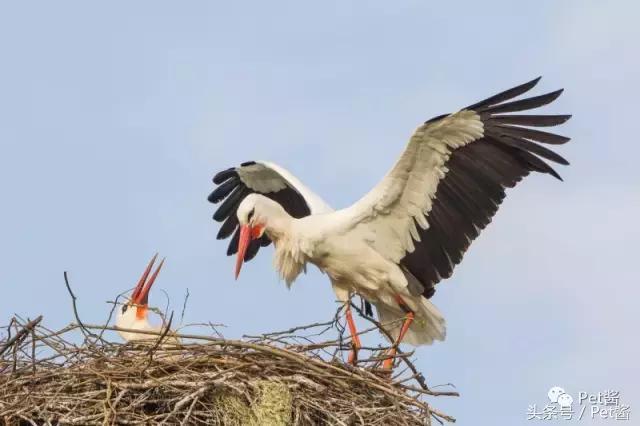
(140, 295)
(247, 233)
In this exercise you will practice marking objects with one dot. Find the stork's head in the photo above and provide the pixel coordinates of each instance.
(257, 214)
(134, 312)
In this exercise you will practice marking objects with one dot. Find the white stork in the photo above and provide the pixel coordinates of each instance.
(394, 244)
(134, 313)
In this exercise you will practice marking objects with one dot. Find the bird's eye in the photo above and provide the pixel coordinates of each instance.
(250, 215)
(124, 308)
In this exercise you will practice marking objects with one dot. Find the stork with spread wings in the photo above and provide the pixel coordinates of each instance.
(409, 232)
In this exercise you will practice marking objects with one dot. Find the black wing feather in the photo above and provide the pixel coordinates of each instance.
(529, 120)
(539, 150)
(233, 244)
(533, 134)
(224, 175)
(228, 226)
(230, 204)
(523, 104)
(233, 190)
(469, 194)
(224, 189)
(506, 95)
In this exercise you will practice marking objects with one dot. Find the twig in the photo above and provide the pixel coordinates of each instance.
(418, 375)
(159, 340)
(184, 306)
(439, 416)
(290, 331)
(33, 349)
(188, 414)
(152, 381)
(198, 393)
(111, 311)
(21, 334)
(75, 308)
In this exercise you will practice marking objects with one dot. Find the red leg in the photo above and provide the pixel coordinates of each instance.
(388, 363)
(355, 339)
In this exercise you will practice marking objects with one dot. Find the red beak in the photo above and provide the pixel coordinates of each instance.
(243, 245)
(247, 233)
(140, 295)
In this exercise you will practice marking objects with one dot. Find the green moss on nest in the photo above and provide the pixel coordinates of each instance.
(272, 406)
(232, 410)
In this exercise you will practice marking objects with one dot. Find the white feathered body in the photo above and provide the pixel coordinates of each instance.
(130, 320)
(348, 256)
(360, 247)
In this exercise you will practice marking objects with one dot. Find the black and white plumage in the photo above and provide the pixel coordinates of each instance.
(469, 193)
(408, 233)
(265, 178)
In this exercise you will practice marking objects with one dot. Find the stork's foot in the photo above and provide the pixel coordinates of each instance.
(355, 347)
(353, 356)
(383, 373)
(355, 339)
(388, 363)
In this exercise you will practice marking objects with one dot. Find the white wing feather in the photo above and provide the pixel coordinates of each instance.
(265, 177)
(389, 212)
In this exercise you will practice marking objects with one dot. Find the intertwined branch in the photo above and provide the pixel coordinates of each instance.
(77, 375)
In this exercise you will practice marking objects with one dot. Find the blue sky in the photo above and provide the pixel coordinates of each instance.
(114, 117)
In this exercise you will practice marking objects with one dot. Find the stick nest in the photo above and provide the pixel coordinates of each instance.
(77, 376)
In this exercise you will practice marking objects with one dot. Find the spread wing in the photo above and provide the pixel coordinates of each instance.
(451, 178)
(264, 178)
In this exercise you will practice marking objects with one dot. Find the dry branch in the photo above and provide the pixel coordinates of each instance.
(76, 376)
(270, 379)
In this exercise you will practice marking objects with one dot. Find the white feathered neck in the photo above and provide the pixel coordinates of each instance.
(289, 258)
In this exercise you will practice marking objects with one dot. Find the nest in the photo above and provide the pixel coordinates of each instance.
(76, 375)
